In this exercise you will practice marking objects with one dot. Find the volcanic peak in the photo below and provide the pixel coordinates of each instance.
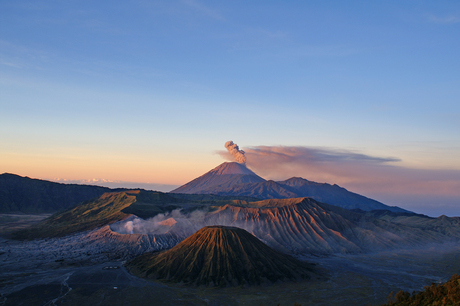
(234, 179)
(220, 256)
(231, 168)
(223, 176)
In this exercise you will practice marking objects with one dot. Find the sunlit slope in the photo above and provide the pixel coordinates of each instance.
(87, 216)
(223, 176)
(304, 225)
(220, 256)
(298, 225)
(106, 209)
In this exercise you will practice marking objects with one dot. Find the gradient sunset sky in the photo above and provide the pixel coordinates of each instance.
(364, 94)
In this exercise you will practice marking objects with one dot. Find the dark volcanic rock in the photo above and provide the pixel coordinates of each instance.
(220, 256)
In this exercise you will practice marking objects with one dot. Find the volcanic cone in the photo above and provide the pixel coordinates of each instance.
(220, 256)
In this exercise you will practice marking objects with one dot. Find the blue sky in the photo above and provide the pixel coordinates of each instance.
(148, 91)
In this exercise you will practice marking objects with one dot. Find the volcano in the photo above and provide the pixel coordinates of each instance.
(223, 176)
(234, 179)
(220, 256)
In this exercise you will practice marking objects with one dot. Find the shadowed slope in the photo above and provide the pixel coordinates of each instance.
(299, 187)
(220, 256)
(334, 195)
(23, 194)
(261, 190)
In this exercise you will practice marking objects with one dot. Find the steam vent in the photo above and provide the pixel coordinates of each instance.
(220, 256)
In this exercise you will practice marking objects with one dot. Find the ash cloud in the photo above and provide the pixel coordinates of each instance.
(380, 178)
(320, 164)
(234, 150)
(315, 155)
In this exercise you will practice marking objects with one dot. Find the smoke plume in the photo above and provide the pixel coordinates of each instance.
(235, 152)
(178, 223)
(172, 222)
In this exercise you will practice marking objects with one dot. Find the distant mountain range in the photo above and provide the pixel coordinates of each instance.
(228, 181)
(234, 179)
(23, 194)
(20, 194)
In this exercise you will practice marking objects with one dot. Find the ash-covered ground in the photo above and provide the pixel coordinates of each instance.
(87, 269)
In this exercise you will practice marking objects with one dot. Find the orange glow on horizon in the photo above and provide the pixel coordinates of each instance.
(112, 169)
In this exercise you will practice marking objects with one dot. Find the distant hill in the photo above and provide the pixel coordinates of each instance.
(220, 256)
(23, 194)
(234, 179)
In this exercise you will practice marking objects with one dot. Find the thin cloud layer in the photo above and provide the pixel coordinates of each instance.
(295, 154)
(448, 19)
(203, 9)
(320, 164)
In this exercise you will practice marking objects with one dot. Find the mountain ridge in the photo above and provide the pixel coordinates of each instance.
(250, 184)
(29, 195)
(295, 225)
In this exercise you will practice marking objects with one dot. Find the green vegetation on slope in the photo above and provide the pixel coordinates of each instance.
(86, 216)
(443, 294)
(149, 204)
